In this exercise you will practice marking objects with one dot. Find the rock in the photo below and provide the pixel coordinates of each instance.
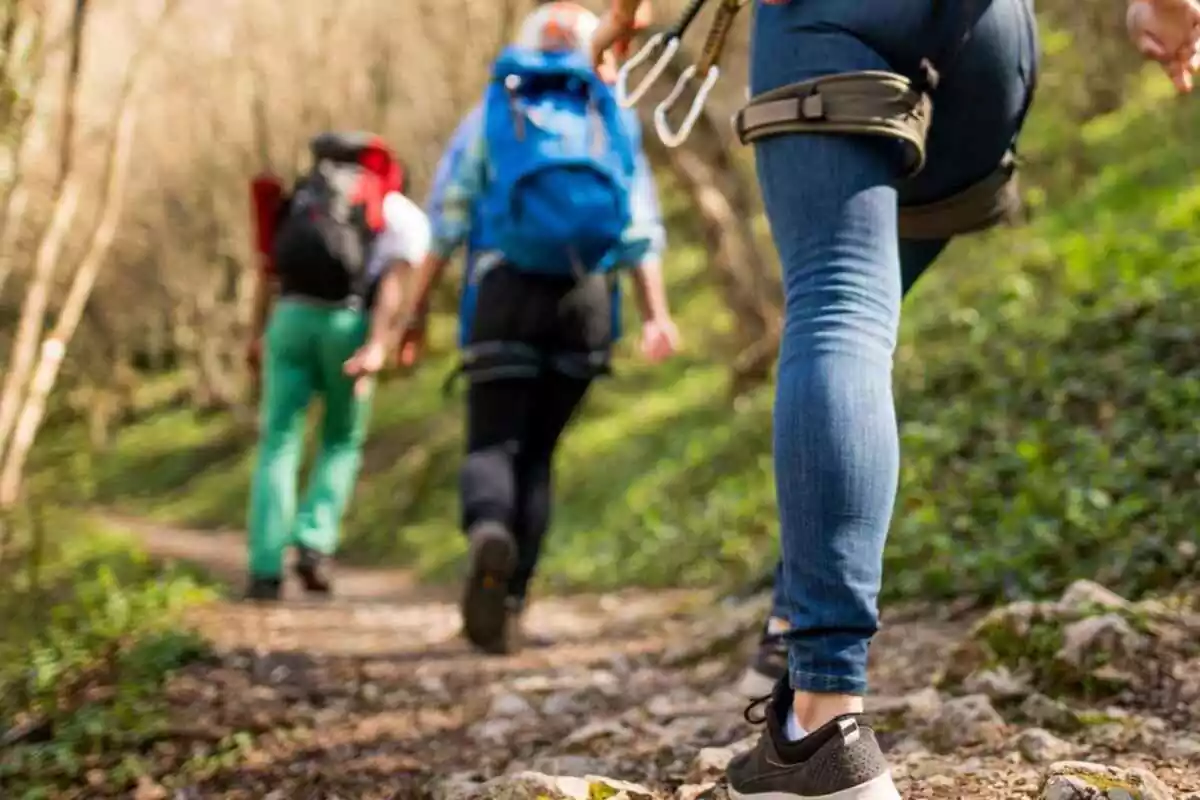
(1080, 780)
(149, 789)
(571, 765)
(999, 684)
(493, 730)
(700, 791)
(1181, 748)
(709, 764)
(594, 731)
(1039, 746)
(1051, 713)
(539, 786)
(998, 632)
(507, 705)
(432, 685)
(921, 706)
(966, 721)
(1084, 596)
(562, 704)
(1094, 641)
(458, 786)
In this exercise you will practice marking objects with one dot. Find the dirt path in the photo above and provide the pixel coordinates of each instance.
(373, 695)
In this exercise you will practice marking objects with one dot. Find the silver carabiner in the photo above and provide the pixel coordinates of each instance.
(675, 138)
(629, 100)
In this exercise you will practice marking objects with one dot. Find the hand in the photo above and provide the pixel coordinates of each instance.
(412, 344)
(364, 364)
(254, 354)
(1168, 31)
(660, 339)
(612, 37)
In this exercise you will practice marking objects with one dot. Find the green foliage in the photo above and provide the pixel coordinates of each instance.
(82, 665)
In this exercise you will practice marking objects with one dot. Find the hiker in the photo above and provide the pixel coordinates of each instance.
(851, 209)
(333, 254)
(540, 305)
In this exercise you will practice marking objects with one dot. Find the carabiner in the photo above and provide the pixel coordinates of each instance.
(675, 138)
(669, 41)
(624, 97)
(707, 66)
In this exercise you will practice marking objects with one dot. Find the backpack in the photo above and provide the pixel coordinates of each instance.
(327, 226)
(562, 163)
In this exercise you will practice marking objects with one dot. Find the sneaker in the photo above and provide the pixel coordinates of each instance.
(839, 761)
(485, 610)
(769, 666)
(314, 569)
(264, 589)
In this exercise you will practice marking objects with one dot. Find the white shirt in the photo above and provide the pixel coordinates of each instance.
(405, 235)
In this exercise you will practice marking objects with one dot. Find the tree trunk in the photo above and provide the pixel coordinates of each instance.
(10, 226)
(55, 345)
(724, 201)
(33, 311)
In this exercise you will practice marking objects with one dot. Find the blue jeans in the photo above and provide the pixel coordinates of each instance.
(831, 201)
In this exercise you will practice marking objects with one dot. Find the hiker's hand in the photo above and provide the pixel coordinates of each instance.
(254, 354)
(660, 339)
(612, 37)
(365, 364)
(1168, 31)
(412, 344)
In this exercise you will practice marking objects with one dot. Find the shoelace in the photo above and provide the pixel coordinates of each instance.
(756, 713)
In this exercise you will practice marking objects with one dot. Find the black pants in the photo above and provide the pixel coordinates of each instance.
(521, 398)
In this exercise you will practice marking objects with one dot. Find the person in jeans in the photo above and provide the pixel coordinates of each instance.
(325, 338)
(532, 346)
(833, 206)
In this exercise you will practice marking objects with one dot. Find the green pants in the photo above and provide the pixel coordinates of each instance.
(306, 346)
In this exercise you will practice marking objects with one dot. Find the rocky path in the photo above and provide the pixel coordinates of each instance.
(373, 695)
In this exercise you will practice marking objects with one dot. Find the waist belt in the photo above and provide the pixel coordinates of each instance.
(492, 361)
(885, 103)
(878, 103)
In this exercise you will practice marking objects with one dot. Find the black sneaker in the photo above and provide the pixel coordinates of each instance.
(768, 667)
(264, 589)
(314, 569)
(838, 761)
(485, 610)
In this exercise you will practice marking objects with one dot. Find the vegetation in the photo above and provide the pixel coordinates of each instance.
(91, 633)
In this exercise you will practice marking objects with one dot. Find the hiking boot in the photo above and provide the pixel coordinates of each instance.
(264, 589)
(314, 569)
(839, 761)
(485, 610)
(768, 667)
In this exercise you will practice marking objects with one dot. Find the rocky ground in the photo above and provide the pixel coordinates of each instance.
(631, 696)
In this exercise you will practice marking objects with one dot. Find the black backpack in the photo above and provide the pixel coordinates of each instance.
(332, 217)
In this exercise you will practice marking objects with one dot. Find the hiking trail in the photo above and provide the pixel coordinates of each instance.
(372, 694)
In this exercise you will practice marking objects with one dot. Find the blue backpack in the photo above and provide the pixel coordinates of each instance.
(562, 159)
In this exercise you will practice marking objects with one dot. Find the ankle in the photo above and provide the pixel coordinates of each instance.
(814, 710)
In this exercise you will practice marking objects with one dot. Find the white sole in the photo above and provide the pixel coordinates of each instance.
(880, 788)
(753, 684)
